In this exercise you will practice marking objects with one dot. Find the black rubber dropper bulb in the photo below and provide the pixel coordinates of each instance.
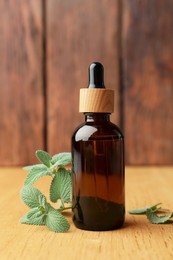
(96, 75)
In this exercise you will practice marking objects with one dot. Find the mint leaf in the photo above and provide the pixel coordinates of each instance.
(42, 201)
(61, 159)
(31, 196)
(35, 212)
(155, 219)
(44, 157)
(54, 193)
(34, 217)
(141, 211)
(30, 167)
(61, 186)
(36, 172)
(56, 221)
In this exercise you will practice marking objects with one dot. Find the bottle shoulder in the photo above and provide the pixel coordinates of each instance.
(90, 130)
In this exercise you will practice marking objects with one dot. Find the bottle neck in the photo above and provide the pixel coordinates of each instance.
(97, 117)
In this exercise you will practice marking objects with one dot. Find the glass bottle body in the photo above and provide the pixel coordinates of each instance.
(98, 174)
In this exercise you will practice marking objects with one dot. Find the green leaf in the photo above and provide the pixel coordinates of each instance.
(34, 213)
(141, 211)
(30, 167)
(34, 217)
(155, 219)
(42, 201)
(31, 196)
(61, 159)
(61, 186)
(44, 157)
(56, 221)
(37, 172)
(54, 194)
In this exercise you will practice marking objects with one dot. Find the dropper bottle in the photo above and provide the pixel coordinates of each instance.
(97, 159)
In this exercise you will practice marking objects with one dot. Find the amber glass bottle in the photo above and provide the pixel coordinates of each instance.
(98, 160)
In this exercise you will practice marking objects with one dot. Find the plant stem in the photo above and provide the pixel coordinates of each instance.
(64, 208)
(62, 202)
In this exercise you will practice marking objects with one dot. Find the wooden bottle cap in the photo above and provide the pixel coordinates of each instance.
(96, 100)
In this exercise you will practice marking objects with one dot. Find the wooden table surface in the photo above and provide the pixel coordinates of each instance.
(138, 239)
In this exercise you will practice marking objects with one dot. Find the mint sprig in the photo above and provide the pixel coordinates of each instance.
(152, 212)
(41, 212)
(141, 211)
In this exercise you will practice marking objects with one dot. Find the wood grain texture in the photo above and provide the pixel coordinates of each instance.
(78, 33)
(96, 100)
(21, 91)
(148, 81)
(137, 240)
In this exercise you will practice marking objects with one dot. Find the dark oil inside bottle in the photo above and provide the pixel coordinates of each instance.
(98, 175)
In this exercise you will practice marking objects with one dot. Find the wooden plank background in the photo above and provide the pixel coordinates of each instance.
(83, 33)
(148, 81)
(45, 50)
(21, 86)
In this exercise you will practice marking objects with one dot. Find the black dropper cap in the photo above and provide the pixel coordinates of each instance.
(96, 75)
(96, 98)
